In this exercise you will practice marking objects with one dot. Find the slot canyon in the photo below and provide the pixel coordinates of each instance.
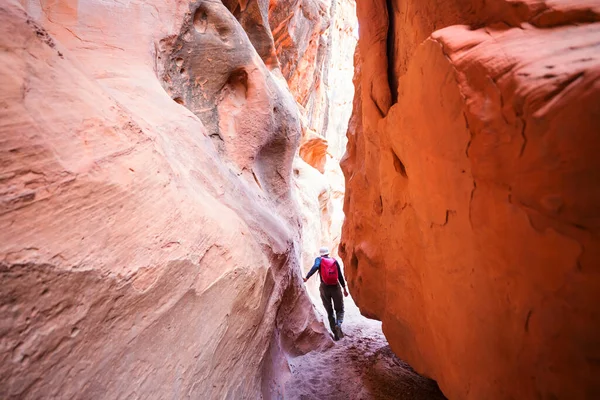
(169, 170)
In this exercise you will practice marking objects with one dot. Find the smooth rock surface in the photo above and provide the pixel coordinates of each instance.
(472, 192)
(149, 236)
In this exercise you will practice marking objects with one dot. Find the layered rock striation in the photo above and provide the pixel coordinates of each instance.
(472, 192)
(150, 234)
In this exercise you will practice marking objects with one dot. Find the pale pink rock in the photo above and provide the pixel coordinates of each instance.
(148, 234)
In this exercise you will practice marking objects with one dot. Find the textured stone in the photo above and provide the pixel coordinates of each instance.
(301, 34)
(149, 236)
(313, 150)
(344, 35)
(472, 192)
(314, 42)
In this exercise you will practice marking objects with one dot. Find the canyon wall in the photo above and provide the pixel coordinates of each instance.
(473, 192)
(150, 233)
(314, 42)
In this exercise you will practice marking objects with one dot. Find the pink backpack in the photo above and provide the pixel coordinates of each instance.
(329, 271)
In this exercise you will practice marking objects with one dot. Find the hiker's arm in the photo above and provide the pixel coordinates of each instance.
(341, 278)
(314, 269)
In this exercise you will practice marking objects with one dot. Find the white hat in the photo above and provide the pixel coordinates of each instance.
(324, 251)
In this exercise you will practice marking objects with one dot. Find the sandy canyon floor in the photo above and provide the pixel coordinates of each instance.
(361, 366)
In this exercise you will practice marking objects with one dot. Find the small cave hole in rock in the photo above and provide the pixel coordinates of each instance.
(201, 19)
(238, 82)
(354, 261)
(223, 31)
(379, 205)
(399, 165)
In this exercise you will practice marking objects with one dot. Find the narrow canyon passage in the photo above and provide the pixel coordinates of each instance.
(361, 366)
(169, 170)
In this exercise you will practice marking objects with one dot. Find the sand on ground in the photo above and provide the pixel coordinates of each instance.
(360, 366)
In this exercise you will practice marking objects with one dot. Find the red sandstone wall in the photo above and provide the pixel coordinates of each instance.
(473, 192)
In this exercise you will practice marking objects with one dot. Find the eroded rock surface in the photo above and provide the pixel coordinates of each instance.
(314, 42)
(473, 190)
(149, 238)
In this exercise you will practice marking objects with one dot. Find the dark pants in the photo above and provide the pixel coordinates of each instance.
(329, 293)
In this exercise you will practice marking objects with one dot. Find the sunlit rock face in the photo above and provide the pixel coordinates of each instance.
(315, 43)
(344, 35)
(472, 192)
(150, 234)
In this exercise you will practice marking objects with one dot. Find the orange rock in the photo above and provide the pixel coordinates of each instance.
(472, 204)
(313, 150)
(315, 42)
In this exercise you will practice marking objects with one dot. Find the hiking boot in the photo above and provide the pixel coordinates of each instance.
(338, 332)
(335, 336)
(340, 318)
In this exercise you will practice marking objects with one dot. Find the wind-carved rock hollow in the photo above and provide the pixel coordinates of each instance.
(472, 192)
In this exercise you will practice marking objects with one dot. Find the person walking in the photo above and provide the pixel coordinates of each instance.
(332, 282)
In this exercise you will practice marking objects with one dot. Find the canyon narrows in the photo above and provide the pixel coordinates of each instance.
(153, 193)
(170, 168)
(473, 192)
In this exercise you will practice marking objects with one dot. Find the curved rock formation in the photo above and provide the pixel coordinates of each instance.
(473, 190)
(149, 236)
(300, 31)
(315, 43)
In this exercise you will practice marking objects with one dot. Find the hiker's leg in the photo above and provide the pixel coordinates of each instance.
(338, 302)
(326, 299)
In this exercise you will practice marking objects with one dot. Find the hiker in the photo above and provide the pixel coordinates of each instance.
(331, 279)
